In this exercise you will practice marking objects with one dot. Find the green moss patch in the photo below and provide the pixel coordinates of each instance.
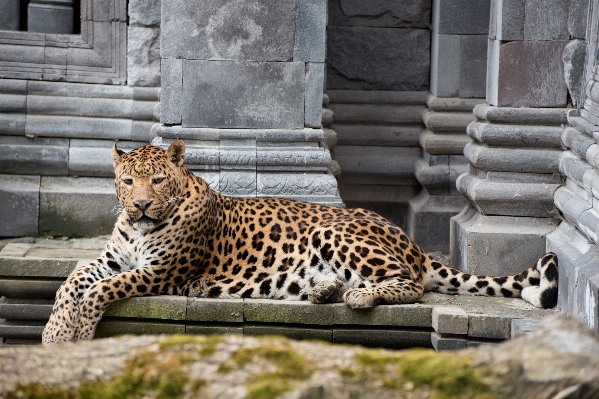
(449, 376)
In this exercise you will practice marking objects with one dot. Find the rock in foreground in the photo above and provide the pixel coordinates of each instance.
(560, 359)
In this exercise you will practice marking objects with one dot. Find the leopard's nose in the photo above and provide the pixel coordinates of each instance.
(142, 204)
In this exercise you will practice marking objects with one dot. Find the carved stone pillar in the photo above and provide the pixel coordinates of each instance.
(10, 14)
(50, 16)
(242, 84)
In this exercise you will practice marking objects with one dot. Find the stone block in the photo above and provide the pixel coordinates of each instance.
(298, 333)
(218, 94)
(18, 266)
(12, 124)
(212, 330)
(522, 116)
(10, 11)
(392, 339)
(413, 315)
(497, 245)
(171, 93)
(447, 343)
(523, 326)
(21, 331)
(168, 307)
(251, 30)
(445, 65)
(21, 205)
(368, 58)
(514, 136)
(395, 136)
(77, 206)
(507, 20)
(380, 13)
(79, 107)
(142, 131)
(16, 311)
(388, 114)
(518, 160)
(144, 12)
(450, 320)
(487, 326)
(448, 122)
(473, 66)
(111, 328)
(574, 62)
(93, 158)
(542, 24)
(293, 312)
(313, 95)
(75, 127)
(49, 18)
(215, 310)
(143, 56)
(577, 18)
(461, 17)
(39, 156)
(310, 31)
(314, 187)
(29, 289)
(530, 74)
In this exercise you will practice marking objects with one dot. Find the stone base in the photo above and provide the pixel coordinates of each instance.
(497, 245)
(429, 217)
(578, 274)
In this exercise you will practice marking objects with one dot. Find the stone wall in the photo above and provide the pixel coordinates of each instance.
(378, 61)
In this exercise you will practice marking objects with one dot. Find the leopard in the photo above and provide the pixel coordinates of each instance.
(177, 236)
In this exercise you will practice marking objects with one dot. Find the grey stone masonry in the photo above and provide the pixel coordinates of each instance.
(242, 83)
(50, 16)
(64, 132)
(98, 54)
(514, 173)
(377, 147)
(443, 143)
(435, 320)
(10, 11)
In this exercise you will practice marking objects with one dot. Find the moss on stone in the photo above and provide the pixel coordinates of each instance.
(450, 376)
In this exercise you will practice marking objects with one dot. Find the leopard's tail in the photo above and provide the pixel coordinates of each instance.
(537, 285)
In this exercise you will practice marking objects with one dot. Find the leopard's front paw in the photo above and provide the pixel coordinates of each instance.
(358, 298)
(62, 325)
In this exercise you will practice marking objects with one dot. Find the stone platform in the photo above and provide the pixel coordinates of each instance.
(32, 270)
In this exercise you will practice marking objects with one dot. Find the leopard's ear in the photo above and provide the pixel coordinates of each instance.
(116, 154)
(176, 152)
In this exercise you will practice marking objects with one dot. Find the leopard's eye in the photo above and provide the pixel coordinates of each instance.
(128, 181)
(157, 180)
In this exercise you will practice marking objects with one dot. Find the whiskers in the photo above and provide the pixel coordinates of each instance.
(170, 201)
(117, 210)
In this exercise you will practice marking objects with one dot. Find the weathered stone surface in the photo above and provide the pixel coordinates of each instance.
(473, 66)
(513, 135)
(29, 289)
(511, 160)
(522, 116)
(314, 87)
(109, 328)
(380, 13)
(297, 333)
(369, 58)
(144, 12)
(577, 18)
(77, 206)
(415, 315)
(539, 24)
(298, 312)
(497, 245)
(450, 320)
(395, 339)
(507, 20)
(143, 56)
(217, 94)
(447, 343)
(215, 310)
(171, 94)
(445, 65)
(485, 326)
(21, 205)
(523, 326)
(461, 17)
(50, 18)
(228, 30)
(167, 307)
(530, 74)
(310, 31)
(93, 158)
(573, 58)
(39, 156)
(15, 311)
(10, 15)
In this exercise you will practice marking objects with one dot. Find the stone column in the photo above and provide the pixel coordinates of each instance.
(457, 83)
(10, 11)
(514, 156)
(50, 16)
(242, 84)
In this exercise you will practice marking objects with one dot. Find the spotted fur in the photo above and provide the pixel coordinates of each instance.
(177, 236)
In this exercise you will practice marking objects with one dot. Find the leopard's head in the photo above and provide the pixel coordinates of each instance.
(149, 182)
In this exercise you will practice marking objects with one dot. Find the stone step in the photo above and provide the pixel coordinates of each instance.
(442, 321)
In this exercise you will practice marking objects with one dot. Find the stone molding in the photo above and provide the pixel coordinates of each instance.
(97, 55)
